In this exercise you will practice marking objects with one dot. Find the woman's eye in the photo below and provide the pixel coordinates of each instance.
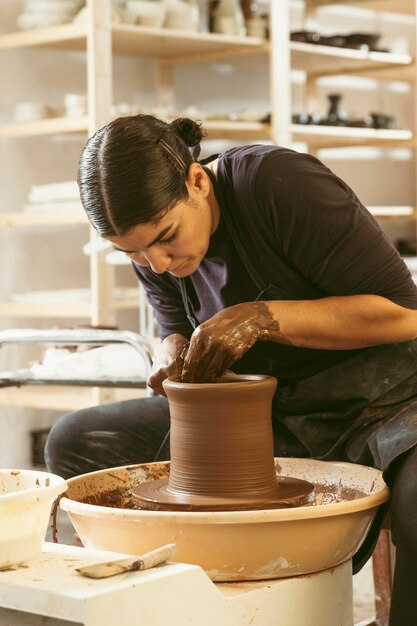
(166, 241)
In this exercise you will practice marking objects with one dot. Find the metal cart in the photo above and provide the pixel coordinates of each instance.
(62, 337)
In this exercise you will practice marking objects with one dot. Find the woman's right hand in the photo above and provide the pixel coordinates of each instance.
(168, 361)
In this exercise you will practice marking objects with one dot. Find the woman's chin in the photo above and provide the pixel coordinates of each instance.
(185, 269)
(181, 273)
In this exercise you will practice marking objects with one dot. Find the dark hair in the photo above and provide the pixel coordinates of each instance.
(133, 170)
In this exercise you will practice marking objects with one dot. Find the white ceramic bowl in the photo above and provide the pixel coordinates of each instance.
(26, 498)
(26, 21)
(30, 111)
(231, 545)
(51, 6)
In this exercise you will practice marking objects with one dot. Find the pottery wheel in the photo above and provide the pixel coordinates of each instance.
(157, 496)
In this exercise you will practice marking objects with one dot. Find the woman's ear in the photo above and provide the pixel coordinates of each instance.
(197, 181)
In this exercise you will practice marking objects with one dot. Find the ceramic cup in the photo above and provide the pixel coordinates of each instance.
(228, 25)
(256, 27)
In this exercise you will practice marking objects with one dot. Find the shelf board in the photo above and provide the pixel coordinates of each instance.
(393, 212)
(66, 36)
(182, 46)
(338, 136)
(67, 309)
(59, 398)
(44, 218)
(135, 40)
(327, 60)
(391, 6)
(59, 309)
(238, 130)
(47, 126)
(174, 44)
(324, 136)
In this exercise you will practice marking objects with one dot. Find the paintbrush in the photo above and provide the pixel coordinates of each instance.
(128, 564)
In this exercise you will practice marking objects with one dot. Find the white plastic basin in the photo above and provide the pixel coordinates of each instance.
(26, 499)
(231, 545)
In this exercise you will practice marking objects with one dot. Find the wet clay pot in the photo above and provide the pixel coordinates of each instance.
(222, 455)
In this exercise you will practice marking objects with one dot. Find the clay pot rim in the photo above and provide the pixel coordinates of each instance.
(227, 517)
(235, 380)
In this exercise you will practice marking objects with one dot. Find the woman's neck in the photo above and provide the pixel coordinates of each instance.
(212, 200)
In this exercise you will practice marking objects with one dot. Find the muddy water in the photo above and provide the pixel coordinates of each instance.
(324, 495)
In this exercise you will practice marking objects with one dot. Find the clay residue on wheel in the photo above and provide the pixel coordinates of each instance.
(114, 498)
(325, 495)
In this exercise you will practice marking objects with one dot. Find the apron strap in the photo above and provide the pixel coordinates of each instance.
(187, 304)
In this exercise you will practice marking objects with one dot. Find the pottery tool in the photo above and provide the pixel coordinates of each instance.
(129, 564)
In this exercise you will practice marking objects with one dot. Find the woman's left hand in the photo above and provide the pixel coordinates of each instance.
(223, 339)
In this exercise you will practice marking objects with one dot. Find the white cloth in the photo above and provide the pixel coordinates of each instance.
(121, 362)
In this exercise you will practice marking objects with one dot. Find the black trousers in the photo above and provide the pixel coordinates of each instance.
(135, 431)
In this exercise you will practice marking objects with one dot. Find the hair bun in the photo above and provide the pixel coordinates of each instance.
(188, 130)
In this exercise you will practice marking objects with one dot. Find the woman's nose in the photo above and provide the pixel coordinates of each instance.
(159, 262)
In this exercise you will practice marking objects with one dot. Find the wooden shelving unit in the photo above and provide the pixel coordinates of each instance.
(318, 61)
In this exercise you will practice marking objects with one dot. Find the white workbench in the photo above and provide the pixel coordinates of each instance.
(50, 593)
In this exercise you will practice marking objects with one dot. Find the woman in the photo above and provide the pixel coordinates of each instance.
(259, 260)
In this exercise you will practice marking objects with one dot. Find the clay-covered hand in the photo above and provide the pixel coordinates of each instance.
(223, 339)
(168, 361)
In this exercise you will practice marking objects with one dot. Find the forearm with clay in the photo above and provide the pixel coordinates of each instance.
(333, 323)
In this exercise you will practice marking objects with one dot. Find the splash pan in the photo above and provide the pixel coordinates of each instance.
(233, 545)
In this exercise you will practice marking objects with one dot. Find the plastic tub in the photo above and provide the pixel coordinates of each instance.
(26, 499)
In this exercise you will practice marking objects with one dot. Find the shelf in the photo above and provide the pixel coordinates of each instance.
(174, 44)
(136, 40)
(391, 6)
(328, 60)
(236, 130)
(181, 45)
(48, 126)
(67, 36)
(393, 212)
(60, 398)
(44, 218)
(338, 136)
(325, 136)
(59, 310)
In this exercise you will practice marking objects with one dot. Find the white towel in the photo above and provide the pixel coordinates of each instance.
(121, 362)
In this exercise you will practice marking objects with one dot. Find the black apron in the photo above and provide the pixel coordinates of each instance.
(362, 410)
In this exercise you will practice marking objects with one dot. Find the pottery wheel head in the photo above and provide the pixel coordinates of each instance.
(157, 496)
